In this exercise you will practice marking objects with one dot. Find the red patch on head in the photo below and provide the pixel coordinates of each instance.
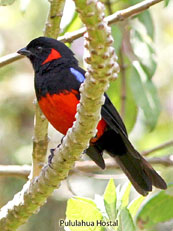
(54, 54)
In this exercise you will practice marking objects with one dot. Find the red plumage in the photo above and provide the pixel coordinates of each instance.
(60, 110)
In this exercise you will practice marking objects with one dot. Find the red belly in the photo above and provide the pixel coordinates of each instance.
(60, 111)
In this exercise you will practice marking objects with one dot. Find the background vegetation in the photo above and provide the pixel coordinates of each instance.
(144, 46)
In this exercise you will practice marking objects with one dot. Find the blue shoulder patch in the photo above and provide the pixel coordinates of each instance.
(79, 76)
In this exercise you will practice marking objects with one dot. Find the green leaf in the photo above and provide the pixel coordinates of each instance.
(125, 221)
(145, 95)
(6, 2)
(73, 25)
(135, 204)
(110, 200)
(159, 208)
(123, 195)
(167, 2)
(147, 21)
(82, 209)
(87, 200)
(133, 2)
(117, 35)
(99, 201)
(143, 49)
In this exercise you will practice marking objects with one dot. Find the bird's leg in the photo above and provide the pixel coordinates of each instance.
(52, 151)
(51, 155)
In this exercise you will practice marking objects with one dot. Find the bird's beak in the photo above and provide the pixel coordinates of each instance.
(25, 52)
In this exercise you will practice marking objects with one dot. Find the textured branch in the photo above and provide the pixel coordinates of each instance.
(69, 37)
(40, 139)
(40, 142)
(52, 28)
(34, 194)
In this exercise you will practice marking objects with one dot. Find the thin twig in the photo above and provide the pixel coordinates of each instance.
(15, 170)
(116, 17)
(131, 11)
(85, 167)
(157, 148)
(108, 6)
(166, 161)
(90, 166)
(7, 59)
(123, 83)
(70, 36)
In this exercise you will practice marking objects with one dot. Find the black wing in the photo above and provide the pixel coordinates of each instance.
(114, 121)
(108, 110)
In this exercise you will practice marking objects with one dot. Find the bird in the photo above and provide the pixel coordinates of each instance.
(57, 81)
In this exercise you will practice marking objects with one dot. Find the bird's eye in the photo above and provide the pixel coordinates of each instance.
(39, 48)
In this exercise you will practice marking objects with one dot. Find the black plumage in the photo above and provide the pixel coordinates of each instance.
(54, 76)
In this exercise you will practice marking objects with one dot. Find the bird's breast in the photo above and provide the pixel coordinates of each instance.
(60, 110)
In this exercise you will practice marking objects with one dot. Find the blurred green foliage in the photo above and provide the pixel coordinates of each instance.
(6, 2)
(147, 107)
(114, 207)
(157, 209)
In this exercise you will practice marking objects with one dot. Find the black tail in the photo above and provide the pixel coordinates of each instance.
(115, 141)
(137, 169)
(140, 173)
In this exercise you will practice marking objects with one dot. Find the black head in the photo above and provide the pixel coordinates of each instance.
(44, 50)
